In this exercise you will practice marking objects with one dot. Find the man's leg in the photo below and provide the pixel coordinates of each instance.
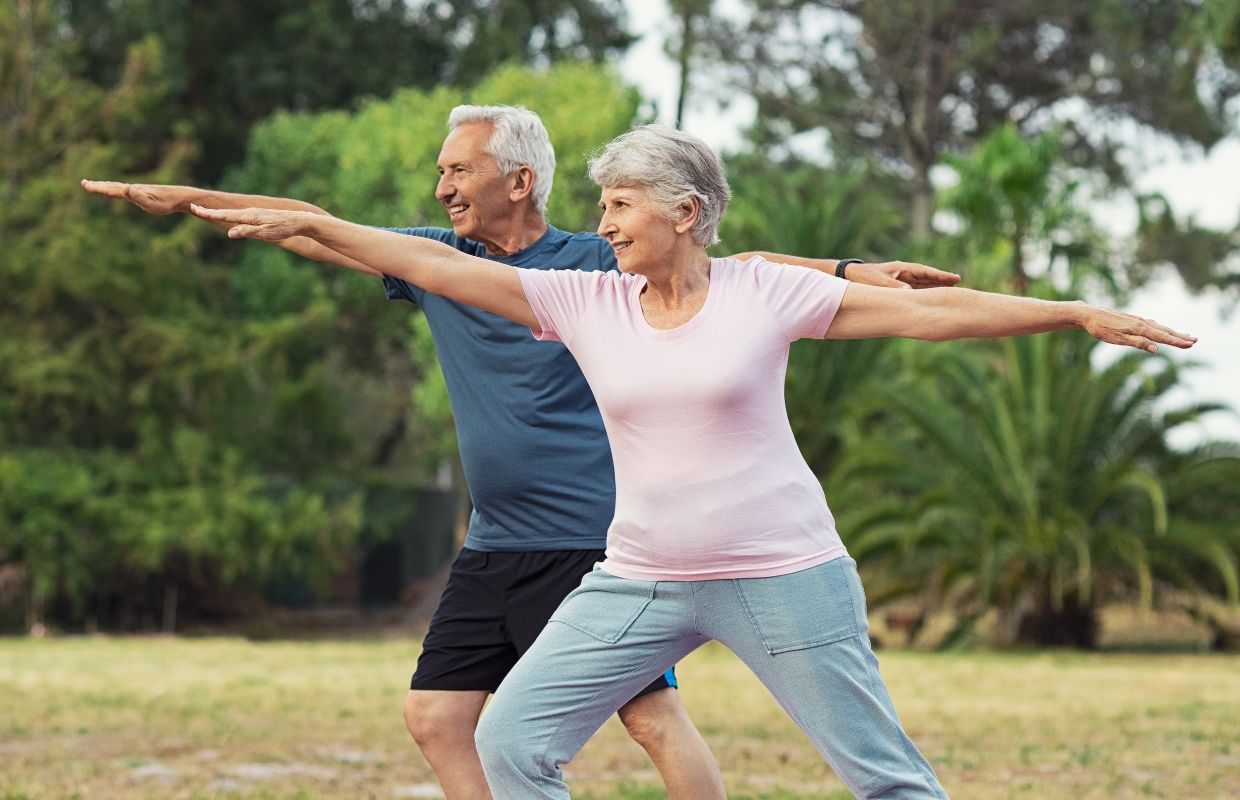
(659, 723)
(442, 724)
(466, 653)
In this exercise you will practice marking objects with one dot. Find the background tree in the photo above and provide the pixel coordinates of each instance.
(1035, 485)
(1016, 208)
(119, 371)
(230, 64)
(904, 82)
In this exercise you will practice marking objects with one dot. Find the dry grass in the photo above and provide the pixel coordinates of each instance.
(183, 718)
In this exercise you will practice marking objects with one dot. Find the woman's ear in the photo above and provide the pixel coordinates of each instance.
(687, 214)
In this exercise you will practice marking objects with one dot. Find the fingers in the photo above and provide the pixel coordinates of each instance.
(1143, 334)
(1163, 334)
(243, 231)
(115, 189)
(932, 275)
(239, 215)
(1169, 336)
(920, 276)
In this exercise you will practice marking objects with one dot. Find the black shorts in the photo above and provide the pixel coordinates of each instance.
(492, 609)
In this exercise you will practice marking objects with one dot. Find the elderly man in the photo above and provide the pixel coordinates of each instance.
(531, 439)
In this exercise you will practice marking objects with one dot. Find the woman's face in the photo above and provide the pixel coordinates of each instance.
(638, 230)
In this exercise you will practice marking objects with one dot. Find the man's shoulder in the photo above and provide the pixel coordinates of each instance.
(440, 235)
(588, 249)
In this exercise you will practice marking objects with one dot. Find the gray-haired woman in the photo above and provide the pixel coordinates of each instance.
(721, 531)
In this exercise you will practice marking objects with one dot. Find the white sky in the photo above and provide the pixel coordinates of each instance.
(1204, 186)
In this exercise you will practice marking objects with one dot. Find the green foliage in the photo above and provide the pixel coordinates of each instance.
(902, 83)
(1204, 258)
(1026, 480)
(1016, 201)
(230, 64)
(128, 386)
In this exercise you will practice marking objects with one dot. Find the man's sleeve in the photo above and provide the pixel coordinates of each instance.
(803, 301)
(558, 298)
(398, 289)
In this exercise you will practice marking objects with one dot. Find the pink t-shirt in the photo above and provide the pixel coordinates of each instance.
(709, 480)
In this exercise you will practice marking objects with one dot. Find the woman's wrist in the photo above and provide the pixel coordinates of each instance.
(1077, 313)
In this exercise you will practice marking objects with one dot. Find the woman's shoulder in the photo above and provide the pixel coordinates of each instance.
(735, 270)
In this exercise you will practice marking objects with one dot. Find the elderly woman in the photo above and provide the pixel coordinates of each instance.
(721, 530)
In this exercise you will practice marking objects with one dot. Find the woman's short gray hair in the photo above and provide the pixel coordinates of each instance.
(518, 138)
(673, 166)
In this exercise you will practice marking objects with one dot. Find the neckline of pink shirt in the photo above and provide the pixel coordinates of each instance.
(680, 331)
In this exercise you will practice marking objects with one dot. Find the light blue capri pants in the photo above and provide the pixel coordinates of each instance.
(804, 635)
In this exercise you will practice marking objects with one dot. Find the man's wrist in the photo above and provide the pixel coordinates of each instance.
(842, 265)
(185, 195)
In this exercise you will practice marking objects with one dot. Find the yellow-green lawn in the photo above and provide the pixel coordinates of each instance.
(201, 718)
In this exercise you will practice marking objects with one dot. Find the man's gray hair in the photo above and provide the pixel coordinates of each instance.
(673, 166)
(518, 138)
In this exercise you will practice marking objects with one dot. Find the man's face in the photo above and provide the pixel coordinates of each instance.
(470, 185)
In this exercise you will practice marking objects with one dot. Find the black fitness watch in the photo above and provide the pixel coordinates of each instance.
(842, 264)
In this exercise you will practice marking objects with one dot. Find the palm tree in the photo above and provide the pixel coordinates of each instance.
(1027, 481)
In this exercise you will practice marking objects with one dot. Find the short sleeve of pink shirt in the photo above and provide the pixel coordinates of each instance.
(559, 297)
(802, 301)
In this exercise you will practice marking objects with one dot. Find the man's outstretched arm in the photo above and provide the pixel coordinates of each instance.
(889, 274)
(161, 200)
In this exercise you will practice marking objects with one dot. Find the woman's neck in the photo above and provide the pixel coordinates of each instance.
(684, 278)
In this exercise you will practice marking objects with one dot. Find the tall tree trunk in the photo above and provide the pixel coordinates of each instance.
(683, 57)
(923, 204)
(169, 625)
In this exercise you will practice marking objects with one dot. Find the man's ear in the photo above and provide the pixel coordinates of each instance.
(687, 214)
(521, 183)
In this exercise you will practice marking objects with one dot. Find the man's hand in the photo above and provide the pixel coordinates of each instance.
(264, 224)
(900, 275)
(151, 198)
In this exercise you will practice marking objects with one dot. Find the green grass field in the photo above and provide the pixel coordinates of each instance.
(98, 718)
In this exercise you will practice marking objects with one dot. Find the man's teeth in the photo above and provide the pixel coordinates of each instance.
(456, 209)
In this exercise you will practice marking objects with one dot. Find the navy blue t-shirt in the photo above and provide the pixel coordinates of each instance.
(532, 441)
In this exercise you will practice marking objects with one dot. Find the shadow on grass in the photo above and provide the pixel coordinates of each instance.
(632, 791)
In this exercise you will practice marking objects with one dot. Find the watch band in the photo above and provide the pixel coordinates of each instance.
(842, 265)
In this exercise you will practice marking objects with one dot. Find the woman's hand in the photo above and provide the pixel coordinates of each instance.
(941, 315)
(264, 224)
(1116, 327)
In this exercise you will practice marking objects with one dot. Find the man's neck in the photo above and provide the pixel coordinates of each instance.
(514, 236)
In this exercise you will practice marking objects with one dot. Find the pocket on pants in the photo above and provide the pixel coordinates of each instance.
(604, 606)
(813, 607)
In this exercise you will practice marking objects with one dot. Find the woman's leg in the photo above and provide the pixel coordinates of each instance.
(806, 637)
(604, 644)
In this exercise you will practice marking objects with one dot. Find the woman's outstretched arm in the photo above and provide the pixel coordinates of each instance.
(942, 314)
(432, 265)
